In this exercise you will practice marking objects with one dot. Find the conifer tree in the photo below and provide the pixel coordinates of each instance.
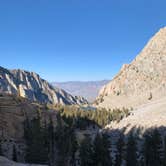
(164, 153)
(153, 149)
(14, 153)
(120, 150)
(73, 148)
(86, 152)
(37, 151)
(131, 151)
(51, 140)
(101, 150)
(60, 142)
(106, 151)
(1, 153)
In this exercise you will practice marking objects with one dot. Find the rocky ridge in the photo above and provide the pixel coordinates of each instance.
(140, 82)
(30, 85)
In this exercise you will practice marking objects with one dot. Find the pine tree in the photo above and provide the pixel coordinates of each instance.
(164, 159)
(101, 150)
(51, 148)
(131, 151)
(37, 151)
(98, 150)
(158, 147)
(61, 142)
(120, 150)
(14, 153)
(106, 151)
(1, 153)
(153, 149)
(86, 152)
(73, 148)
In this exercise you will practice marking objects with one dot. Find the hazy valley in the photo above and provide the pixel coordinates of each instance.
(89, 90)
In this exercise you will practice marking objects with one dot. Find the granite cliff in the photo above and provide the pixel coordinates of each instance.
(30, 85)
(140, 82)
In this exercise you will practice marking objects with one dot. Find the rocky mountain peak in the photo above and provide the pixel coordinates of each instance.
(142, 80)
(30, 85)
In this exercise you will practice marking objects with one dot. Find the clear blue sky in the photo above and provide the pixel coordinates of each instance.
(76, 39)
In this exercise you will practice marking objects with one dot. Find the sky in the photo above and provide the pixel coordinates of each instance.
(76, 40)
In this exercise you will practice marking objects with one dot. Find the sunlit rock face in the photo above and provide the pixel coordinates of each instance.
(30, 85)
(141, 81)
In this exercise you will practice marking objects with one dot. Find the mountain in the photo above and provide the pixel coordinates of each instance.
(88, 90)
(31, 133)
(141, 81)
(30, 85)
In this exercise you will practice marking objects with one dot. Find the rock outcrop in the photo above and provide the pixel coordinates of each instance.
(140, 82)
(30, 85)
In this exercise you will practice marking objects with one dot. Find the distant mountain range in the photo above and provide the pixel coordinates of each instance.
(30, 85)
(88, 90)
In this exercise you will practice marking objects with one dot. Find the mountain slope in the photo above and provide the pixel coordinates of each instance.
(142, 80)
(28, 128)
(30, 85)
(14, 112)
(146, 116)
(88, 90)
